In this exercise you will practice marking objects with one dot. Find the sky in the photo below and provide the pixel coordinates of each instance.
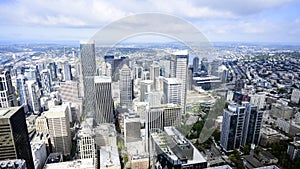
(218, 20)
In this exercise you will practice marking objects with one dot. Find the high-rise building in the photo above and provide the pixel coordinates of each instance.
(241, 126)
(145, 88)
(295, 98)
(34, 104)
(125, 87)
(88, 66)
(59, 128)
(172, 91)
(69, 91)
(252, 125)
(110, 59)
(7, 92)
(172, 115)
(154, 99)
(86, 142)
(195, 64)
(53, 71)
(232, 127)
(14, 139)
(22, 90)
(181, 71)
(154, 74)
(46, 83)
(67, 74)
(104, 102)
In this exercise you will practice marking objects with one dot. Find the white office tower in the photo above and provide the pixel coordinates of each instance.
(258, 99)
(104, 102)
(154, 74)
(7, 92)
(145, 88)
(46, 83)
(88, 67)
(86, 142)
(34, 104)
(181, 70)
(165, 66)
(41, 125)
(154, 99)
(125, 87)
(59, 128)
(172, 91)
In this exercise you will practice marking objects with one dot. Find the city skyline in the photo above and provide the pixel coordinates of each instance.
(247, 21)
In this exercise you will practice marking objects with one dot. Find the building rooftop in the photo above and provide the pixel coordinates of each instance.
(76, 164)
(8, 112)
(16, 164)
(173, 81)
(220, 167)
(56, 111)
(109, 157)
(102, 79)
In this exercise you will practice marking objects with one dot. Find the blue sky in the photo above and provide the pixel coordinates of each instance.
(218, 20)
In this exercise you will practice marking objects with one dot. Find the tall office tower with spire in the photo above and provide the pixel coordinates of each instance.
(181, 65)
(125, 87)
(88, 67)
(154, 74)
(195, 64)
(14, 140)
(7, 92)
(104, 101)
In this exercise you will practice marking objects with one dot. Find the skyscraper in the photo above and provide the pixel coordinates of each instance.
(125, 87)
(181, 64)
(154, 74)
(104, 101)
(196, 64)
(59, 128)
(34, 104)
(172, 115)
(241, 126)
(53, 71)
(7, 92)
(67, 71)
(145, 88)
(14, 140)
(88, 66)
(172, 91)
(46, 83)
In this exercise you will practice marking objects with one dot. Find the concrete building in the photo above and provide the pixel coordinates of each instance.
(14, 140)
(104, 101)
(105, 135)
(88, 67)
(7, 92)
(132, 127)
(67, 73)
(145, 88)
(39, 154)
(69, 91)
(294, 150)
(295, 98)
(173, 150)
(86, 142)
(171, 115)
(172, 91)
(126, 87)
(75, 164)
(258, 99)
(59, 128)
(109, 158)
(154, 99)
